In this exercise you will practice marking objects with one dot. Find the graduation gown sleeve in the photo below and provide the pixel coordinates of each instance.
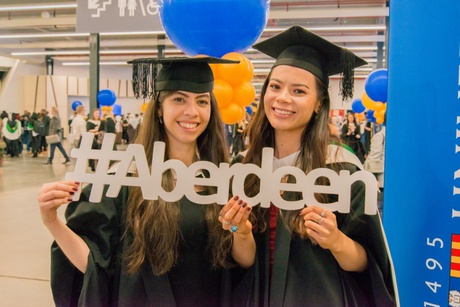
(100, 226)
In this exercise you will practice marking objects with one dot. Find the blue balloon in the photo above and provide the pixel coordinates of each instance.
(376, 85)
(116, 109)
(249, 110)
(213, 28)
(357, 106)
(106, 97)
(370, 116)
(75, 104)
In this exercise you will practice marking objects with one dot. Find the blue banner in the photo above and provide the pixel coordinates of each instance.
(422, 166)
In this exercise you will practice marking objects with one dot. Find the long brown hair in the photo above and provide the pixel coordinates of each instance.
(313, 151)
(153, 226)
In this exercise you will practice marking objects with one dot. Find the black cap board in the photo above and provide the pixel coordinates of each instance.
(182, 73)
(301, 48)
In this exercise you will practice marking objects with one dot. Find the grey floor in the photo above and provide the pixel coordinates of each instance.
(24, 241)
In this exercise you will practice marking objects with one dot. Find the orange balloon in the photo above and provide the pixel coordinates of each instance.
(144, 107)
(367, 102)
(232, 113)
(213, 66)
(250, 74)
(244, 94)
(380, 106)
(236, 73)
(223, 92)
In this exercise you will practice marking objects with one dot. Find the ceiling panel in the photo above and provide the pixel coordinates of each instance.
(283, 13)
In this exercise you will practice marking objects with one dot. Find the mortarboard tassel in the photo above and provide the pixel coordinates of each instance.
(348, 80)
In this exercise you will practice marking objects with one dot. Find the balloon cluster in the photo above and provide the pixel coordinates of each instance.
(374, 98)
(233, 88)
(219, 28)
(106, 99)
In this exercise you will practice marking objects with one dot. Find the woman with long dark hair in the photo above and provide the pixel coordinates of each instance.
(130, 251)
(311, 256)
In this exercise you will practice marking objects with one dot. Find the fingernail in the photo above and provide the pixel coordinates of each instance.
(248, 208)
(77, 182)
(245, 204)
(75, 189)
(69, 200)
(71, 193)
(240, 202)
(236, 197)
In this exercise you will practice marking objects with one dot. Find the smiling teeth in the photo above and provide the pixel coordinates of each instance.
(284, 112)
(188, 125)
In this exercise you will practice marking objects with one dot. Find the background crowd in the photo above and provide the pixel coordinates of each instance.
(27, 132)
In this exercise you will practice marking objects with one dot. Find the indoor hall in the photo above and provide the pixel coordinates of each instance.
(25, 251)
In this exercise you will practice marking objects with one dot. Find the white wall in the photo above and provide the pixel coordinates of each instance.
(12, 91)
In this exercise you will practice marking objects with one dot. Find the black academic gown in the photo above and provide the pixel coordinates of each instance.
(191, 282)
(304, 274)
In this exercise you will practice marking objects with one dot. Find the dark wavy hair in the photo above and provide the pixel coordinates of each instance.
(152, 226)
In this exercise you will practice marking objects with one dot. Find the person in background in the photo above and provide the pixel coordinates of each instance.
(130, 251)
(92, 125)
(78, 125)
(26, 130)
(35, 136)
(311, 256)
(12, 131)
(118, 130)
(238, 141)
(351, 135)
(54, 128)
(133, 123)
(375, 162)
(107, 126)
(45, 119)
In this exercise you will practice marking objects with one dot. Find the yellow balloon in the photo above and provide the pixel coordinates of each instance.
(367, 102)
(380, 106)
(215, 72)
(236, 73)
(379, 116)
(232, 113)
(223, 92)
(244, 94)
(144, 107)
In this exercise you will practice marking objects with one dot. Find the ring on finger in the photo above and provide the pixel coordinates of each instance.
(221, 214)
(225, 222)
(234, 228)
(323, 214)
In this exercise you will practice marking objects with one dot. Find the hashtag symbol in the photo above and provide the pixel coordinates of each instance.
(104, 156)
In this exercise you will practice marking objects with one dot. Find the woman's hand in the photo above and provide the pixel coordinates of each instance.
(52, 195)
(321, 225)
(234, 216)
(50, 198)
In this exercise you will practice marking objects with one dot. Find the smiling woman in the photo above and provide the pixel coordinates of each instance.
(138, 251)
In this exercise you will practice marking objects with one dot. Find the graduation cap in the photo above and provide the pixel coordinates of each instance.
(171, 74)
(301, 48)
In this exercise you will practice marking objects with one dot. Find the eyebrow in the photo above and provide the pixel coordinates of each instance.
(204, 95)
(295, 84)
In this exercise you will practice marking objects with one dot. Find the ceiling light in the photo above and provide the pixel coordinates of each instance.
(86, 52)
(9, 8)
(87, 63)
(43, 35)
(52, 52)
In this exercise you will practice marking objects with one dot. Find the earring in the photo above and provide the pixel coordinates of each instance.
(160, 118)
